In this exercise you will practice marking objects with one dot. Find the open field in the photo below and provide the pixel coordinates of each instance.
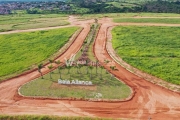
(103, 83)
(31, 21)
(22, 50)
(154, 50)
(122, 5)
(117, 15)
(148, 20)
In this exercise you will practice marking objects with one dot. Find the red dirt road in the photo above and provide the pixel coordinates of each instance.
(149, 100)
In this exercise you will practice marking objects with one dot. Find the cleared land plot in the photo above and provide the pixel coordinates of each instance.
(25, 21)
(103, 83)
(148, 20)
(21, 50)
(154, 50)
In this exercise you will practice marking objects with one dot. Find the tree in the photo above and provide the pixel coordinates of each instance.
(96, 20)
(112, 68)
(87, 70)
(87, 66)
(97, 62)
(51, 61)
(102, 67)
(91, 67)
(68, 67)
(40, 66)
(81, 51)
(80, 66)
(59, 67)
(50, 67)
(77, 67)
(58, 62)
(106, 62)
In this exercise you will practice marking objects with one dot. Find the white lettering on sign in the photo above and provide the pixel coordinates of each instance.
(74, 82)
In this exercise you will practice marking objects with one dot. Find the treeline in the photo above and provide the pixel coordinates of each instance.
(38, 11)
(90, 7)
(107, 7)
(161, 7)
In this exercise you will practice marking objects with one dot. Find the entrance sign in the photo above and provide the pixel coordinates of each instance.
(74, 82)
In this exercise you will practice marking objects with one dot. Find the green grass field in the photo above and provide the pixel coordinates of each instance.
(121, 4)
(148, 20)
(117, 15)
(27, 21)
(154, 50)
(21, 50)
(104, 83)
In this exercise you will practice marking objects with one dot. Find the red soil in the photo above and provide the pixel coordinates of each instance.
(148, 101)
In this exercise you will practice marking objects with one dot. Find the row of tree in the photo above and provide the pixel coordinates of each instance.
(78, 66)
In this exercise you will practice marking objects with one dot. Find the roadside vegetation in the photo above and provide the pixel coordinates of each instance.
(154, 50)
(22, 50)
(127, 15)
(45, 117)
(31, 21)
(149, 20)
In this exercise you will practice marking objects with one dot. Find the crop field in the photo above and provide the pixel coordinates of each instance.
(103, 83)
(25, 21)
(154, 50)
(22, 50)
(148, 20)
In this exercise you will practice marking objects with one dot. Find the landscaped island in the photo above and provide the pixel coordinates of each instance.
(105, 85)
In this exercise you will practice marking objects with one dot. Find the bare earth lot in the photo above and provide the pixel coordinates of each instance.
(147, 101)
